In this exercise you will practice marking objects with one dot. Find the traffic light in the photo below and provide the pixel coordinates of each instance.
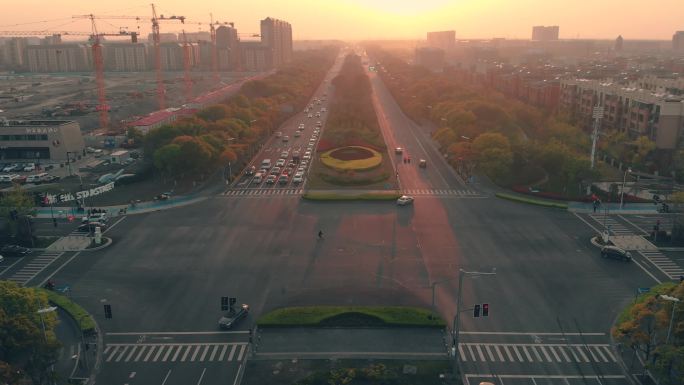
(233, 301)
(108, 311)
(224, 303)
(485, 310)
(476, 311)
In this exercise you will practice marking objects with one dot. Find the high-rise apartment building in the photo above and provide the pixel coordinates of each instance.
(228, 48)
(542, 33)
(678, 41)
(126, 57)
(444, 40)
(14, 53)
(277, 36)
(59, 58)
(619, 42)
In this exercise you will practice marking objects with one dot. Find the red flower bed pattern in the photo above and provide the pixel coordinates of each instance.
(351, 153)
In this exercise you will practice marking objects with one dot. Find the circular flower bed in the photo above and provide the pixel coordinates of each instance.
(351, 158)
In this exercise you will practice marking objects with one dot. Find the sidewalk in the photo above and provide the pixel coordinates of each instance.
(614, 208)
(72, 360)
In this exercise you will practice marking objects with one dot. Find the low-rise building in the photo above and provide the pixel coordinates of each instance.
(40, 140)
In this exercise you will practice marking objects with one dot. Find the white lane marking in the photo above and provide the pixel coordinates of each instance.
(479, 352)
(242, 352)
(647, 272)
(177, 353)
(508, 354)
(185, 355)
(116, 348)
(167, 377)
(121, 354)
(213, 353)
(194, 355)
(609, 353)
(131, 375)
(529, 357)
(565, 355)
(201, 376)
(489, 353)
(498, 352)
(168, 352)
(555, 355)
(517, 353)
(462, 353)
(115, 223)
(128, 357)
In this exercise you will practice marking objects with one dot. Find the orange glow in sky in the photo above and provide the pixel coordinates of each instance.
(374, 19)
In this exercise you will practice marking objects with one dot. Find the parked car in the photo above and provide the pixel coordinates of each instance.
(280, 162)
(298, 178)
(96, 217)
(404, 200)
(10, 168)
(283, 179)
(616, 253)
(297, 134)
(15, 251)
(251, 170)
(275, 171)
(279, 134)
(29, 167)
(229, 320)
(286, 138)
(271, 179)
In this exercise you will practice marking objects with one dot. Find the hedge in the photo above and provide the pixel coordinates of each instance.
(359, 316)
(537, 202)
(79, 314)
(328, 196)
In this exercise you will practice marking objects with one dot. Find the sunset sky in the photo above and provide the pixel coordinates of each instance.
(373, 19)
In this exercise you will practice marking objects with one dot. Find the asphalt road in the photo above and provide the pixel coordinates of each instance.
(552, 296)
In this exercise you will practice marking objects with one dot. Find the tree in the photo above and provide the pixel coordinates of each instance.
(494, 156)
(228, 155)
(25, 352)
(135, 135)
(167, 159)
(16, 207)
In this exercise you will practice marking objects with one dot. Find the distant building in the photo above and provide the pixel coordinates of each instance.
(51, 40)
(678, 41)
(128, 57)
(194, 37)
(542, 33)
(619, 42)
(14, 53)
(59, 58)
(164, 38)
(431, 58)
(656, 111)
(255, 56)
(40, 140)
(444, 40)
(171, 56)
(276, 35)
(228, 48)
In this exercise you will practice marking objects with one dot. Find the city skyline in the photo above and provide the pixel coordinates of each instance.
(379, 19)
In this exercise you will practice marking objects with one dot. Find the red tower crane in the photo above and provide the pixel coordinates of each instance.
(157, 53)
(187, 51)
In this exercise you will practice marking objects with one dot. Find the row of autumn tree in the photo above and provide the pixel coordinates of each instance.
(229, 131)
(652, 329)
(510, 141)
(352, 118)
(26, 352)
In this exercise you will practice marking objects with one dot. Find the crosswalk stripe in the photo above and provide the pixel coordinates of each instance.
(204, 353)
(489, 353)
(194, 355)
(498, 352)
(128, 357)
(213, 353)
(555, 355)
(223, 352)
(140, 353)
(508, 353)
(149, 353)
(592, 355)
(529, 357)
(517, 353)
(242, 352)
(600, 353)
(185, 355)
(107, 349)
(581, 352)
(479, 352)
(232, 352)
(177, 352)
(168, 352)
(159, 352)
(543, 350)
(116, 348)
(461, 353)
(609, 353)
(472, 355)
(574, 355)
(122, 354)
(565, 355)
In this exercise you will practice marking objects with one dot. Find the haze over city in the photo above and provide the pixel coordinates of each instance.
(383, 19)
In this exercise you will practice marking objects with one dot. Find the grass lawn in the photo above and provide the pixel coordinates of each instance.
(351, 316)
(382, 177)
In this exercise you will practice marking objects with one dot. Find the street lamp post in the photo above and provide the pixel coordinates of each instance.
(674, 306)
(622, 192)
(85, 355)
(40, 312)
(457, 317)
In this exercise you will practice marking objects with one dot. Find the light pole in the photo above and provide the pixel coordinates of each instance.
(674, 306)
(40, 312)
(457, 317)
(622, 192)
(80, 326)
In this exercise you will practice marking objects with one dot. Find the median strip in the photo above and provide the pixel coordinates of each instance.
(351, 316)
(537, 202)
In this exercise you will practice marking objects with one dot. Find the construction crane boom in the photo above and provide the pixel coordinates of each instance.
(157, 53)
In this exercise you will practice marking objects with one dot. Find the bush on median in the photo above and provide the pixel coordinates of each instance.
(79, 314)
(537, 202)
(351, 316)
(326, 196)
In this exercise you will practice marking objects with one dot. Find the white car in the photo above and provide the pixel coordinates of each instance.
(310, 115)
(297, 134)
(280, 162)
(286, 138)
(405, 200)
(30, 167)
(284, 154)
(301, 170)
(9, 168)
(306, 157)
(279, 134)
(304, 163)
(298, 178)
(301, 126)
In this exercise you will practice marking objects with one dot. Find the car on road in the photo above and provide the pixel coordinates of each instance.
(324, 109)
(97, 217)
(286, 138)
(404, 200)
(229, 320)
(319, 124)
(284, 154)
(279, 134)
(251, 171)
(398, 150)
(90, 227)
(275, 170)
(318, 114)
(271, 179)
(301, 126)
(297, 134)
(280, 162)
(30, 167)
(15, 251)
(301, 169)
(283, 179)
(258, 178)
(298, 178)
(616, 253)
(310, 115)
(422, 163)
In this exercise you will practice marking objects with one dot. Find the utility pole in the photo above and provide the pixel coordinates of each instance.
(674, 301)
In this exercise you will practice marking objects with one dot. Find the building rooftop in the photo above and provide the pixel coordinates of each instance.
(154, 117)
(33, 123)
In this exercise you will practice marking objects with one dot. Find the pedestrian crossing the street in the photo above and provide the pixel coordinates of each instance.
(259, 192)
(181, 352)
(574, 353)
(441, 192)
(663, 263)
(615, 227)
(34, 267)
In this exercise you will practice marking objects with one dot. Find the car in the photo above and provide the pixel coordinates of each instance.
(324, 109)
(310, 148)
(283, 179)
(30, 167)
(301, 169)
(15, 251)
(422, 163)
(279, 134)
(50, 179)
(286, 172)
(318, 114)
(275, 170)
(10, 168)
(404, 200)
(301, 126)
(286, 138)
(616, 253)
(231, 319)
(258, 178)
(306, 110)
(271, 179)
(263, 171)
(304, 163)
(95, 217)
(291, 165)
(280, 162)
(398, 150)
(162, 197)
(319, 124)
(297, 134)
(299, 178)
(284, 154)
(251, 171)
(310, 115)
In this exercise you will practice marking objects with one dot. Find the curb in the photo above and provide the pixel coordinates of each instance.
(108, 242)
(595, 242)
(534, 202)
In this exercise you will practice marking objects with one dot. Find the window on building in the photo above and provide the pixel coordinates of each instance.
(43, 137)
(30, 137)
